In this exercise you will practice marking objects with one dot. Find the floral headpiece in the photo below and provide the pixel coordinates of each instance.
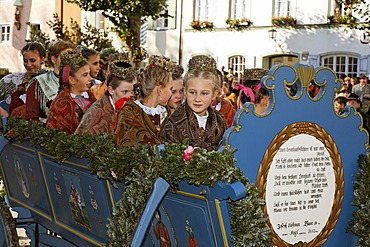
(121, 66)
(120, 57)
(121, 72)
(177, 71)
(70, 59)
(161, 61)
(255, 74)
(202, 63)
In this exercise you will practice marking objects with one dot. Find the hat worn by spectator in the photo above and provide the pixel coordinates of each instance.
(362, 76)
(354, 97)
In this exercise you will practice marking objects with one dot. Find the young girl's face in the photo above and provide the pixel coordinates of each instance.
(199, 95)
(94, 65)
(32, 61)
(177, 94)
(166, 93)
(81, 81)
(125, 89)
(338, 107)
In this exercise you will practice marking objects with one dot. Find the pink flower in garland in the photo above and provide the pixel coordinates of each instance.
(188, 151)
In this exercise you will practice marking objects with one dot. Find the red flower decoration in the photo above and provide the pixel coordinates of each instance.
(188, 151)
(10, 134)
(186, 156)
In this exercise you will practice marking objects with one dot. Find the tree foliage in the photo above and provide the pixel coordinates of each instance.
(92, 37)
(360, 8)
(127, 17)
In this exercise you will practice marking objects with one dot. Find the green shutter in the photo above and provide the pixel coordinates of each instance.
(172, 13)
(150, 23)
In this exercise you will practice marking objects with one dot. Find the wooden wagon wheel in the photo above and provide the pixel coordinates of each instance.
(8, 231)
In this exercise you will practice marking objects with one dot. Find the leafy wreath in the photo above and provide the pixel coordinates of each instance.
(360, 224)
(140, 165)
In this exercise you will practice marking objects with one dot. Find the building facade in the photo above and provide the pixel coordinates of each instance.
(17, 17)
(316, 38)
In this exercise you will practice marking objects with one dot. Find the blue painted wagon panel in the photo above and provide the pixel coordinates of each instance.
(80, 201)
(258, 140)
(24, 180)
(192, 219)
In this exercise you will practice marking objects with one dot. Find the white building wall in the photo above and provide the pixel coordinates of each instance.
(312, 35)
(35, 11)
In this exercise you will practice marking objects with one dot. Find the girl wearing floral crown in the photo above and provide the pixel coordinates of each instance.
(178, 95)
(195, 119)
(44, 88)
(101, 116)
(75, 98)
(139, 121)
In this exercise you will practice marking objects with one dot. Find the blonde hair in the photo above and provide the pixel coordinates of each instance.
(149, 78)
(211, 76)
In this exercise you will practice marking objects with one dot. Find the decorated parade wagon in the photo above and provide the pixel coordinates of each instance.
(283, 178)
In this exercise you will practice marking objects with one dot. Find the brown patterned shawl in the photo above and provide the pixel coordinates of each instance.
(135, 127)
(183, 124)
(62, 114)
(99, 118)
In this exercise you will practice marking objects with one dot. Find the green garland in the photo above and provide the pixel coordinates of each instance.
(360, 225)
(139, 166)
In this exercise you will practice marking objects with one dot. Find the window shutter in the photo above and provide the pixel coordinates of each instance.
(172, 13)
(364, 64)
(313, 60)
(150, 23)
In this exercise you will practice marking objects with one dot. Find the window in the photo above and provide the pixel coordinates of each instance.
(203, 10)
(341, 64)
(4, 32)
(237, 63)
(99, 20)
(285, 8)
(339, 8)
(167, 18)
(162, 22)
(32, 28)
(240, 9)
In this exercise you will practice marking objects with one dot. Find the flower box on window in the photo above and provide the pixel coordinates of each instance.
(202, 25)
(284, 21)
(238, 24)
(341, 19)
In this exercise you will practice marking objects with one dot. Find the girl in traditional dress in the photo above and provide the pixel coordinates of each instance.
(106, 56)
(44, 88)
(262, 101)
(34, 55)
(71, 103)
(250, 86)
(223, 105)
(177, 97)
(196, 119)
(139, 121)
(101, 116)
(93, 58)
